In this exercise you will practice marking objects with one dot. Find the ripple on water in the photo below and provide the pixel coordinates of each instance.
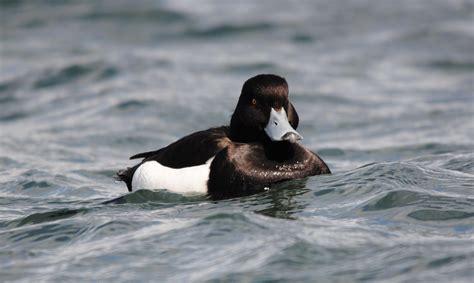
(132, 105)
(461, 161)
(45, 234)
(7, 88)
(440, 215)
(225, 30)
(253, 67)
(71, 73)
(397, 192)
(145, 16)
(49, 216)
(394, 199)
(160, 196)
(451, 65)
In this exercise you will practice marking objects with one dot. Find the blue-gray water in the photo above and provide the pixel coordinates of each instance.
(384, 90)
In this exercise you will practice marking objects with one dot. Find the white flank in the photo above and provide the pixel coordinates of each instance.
(151, 175)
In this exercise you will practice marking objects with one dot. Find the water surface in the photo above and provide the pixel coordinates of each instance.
(384, 90)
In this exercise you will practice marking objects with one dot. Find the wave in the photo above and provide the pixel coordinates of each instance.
(74, 72)
(130, 15)
(451, 65)
(224, 30)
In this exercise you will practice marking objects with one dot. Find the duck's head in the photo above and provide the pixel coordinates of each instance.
(264, 112)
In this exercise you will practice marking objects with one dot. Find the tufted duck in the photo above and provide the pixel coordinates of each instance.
(258, 149)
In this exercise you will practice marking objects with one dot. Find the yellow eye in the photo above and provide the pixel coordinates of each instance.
(254, 101)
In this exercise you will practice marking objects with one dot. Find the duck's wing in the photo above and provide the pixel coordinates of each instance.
(143, 154)
(243, 169)
(194, 149)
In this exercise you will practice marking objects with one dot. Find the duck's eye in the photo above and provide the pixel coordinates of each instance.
(254, 101)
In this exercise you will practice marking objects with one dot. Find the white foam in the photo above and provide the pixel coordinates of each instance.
(151, 175)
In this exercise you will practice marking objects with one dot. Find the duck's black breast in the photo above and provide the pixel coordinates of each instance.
(245, 168)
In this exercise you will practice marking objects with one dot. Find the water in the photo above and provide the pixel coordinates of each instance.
(384, 90)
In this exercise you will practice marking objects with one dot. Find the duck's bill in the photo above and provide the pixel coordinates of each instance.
(279, 129)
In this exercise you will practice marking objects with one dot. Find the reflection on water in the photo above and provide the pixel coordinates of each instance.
(281, 200)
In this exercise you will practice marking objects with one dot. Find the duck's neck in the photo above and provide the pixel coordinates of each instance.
(279, 151)
(244, 134)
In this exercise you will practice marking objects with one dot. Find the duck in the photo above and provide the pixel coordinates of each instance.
(260, 148)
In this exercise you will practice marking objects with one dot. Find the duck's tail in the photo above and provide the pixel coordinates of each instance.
(126, 175)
